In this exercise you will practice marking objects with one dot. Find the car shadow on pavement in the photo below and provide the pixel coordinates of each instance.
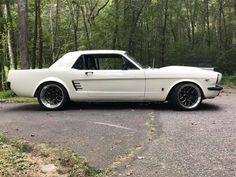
(138, 106)
(114, 106)
(209, 107)
(33, 107)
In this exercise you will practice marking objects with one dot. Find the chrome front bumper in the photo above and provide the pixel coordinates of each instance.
(216, 88)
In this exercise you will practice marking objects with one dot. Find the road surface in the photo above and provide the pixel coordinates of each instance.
(147, 139)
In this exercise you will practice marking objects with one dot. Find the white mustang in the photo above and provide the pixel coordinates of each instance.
(111, 76)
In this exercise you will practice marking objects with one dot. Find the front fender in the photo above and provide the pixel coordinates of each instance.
(198, 83)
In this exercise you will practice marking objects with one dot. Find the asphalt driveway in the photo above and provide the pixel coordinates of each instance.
(170, 143)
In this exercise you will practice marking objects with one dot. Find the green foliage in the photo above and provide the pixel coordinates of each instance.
(69, 161)
(22, 147)
(134, 26)
(19, 100)
(13, 158)
(229, 81)
(227, 62)
(10, 97)
(23, 159)
(6, 94)
(3, 139)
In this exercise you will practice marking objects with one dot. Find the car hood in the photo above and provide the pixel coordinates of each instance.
(181, 72)
(183, 69)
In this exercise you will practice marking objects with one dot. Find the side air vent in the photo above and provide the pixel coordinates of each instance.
(77, 85)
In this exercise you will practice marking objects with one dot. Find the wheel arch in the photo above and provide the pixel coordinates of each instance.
(48, 80)
(175, 84)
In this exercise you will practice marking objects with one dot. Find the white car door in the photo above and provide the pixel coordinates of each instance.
(111, 76)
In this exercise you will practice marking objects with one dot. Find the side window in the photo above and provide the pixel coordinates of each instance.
(110, 62)
(86, 62)
(103, 62)
(79, 64)
(91, 62)
(129, 66)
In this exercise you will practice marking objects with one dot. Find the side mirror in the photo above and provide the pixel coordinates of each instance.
(147, 67)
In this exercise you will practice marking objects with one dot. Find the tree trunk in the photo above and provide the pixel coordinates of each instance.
(208, 38)
(11, 37)
(75, 39)
(54, 30)
(86, 28)
(191, 10)
(23, 38)
(1, 86)
(75, 19)
(220, 40)
(51, 33)
(222, 31)
(234, 7)
(193, 14)
(1, 49)
(35, 34)
(163, 40)
(173, 31)
(132, 17)
(116, 31)
(2, 63)
(40, 59)
(225, 28)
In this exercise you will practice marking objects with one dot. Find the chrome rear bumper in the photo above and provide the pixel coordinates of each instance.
(7, 85)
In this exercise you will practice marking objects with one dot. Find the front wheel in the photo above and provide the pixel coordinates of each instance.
(52, 96)
(186, 96)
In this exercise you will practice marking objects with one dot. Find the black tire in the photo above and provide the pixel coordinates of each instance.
(52, 96)
(186, 96)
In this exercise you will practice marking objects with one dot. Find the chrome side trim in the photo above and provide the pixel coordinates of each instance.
(77, 85)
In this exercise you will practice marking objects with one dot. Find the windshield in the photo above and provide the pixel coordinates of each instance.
(134, 60)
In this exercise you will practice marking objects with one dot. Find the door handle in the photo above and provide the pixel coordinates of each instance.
(90, 72)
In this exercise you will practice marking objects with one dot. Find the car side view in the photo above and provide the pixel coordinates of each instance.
(112, 76)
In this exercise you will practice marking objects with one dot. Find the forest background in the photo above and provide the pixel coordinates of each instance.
(35, 33)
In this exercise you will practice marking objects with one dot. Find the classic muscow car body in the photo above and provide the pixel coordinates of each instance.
(111, 76)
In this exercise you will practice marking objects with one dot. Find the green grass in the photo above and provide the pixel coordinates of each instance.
(229, 81)
(24, 159)
(6, 94)
(9, 97)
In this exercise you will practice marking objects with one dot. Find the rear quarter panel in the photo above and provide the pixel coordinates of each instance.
(26, 82)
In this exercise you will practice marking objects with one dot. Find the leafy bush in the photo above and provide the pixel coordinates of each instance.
(6, 94)
(227, 62)
(229, 81)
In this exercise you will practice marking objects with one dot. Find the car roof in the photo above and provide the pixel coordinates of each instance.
(69, 59)
(83, 52)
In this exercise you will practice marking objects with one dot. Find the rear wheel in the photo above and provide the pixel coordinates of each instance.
(52, 96)
(186, 96)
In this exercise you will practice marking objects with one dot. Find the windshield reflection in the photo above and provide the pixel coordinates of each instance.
(134, 60)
